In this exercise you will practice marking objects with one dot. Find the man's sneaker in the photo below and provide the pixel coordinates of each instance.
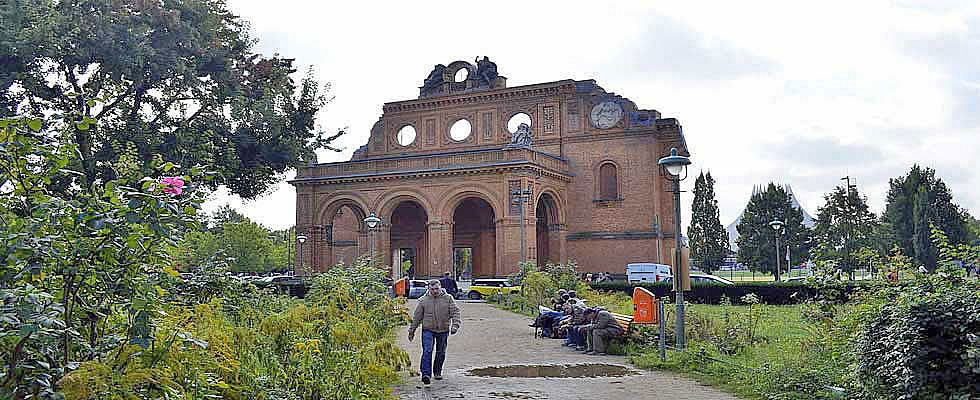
(580, 348)
(425, 380)
(601, 354)
(588, 353)
(438, 377)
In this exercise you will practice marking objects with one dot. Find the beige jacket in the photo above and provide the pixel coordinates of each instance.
(437, 314)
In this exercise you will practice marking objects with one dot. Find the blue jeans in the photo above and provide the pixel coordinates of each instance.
(439, 339)
(575, 337)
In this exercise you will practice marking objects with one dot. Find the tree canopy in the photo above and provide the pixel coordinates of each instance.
(757, 241)
(844, 225)
(915, 201)
(709, 239)
(176, 80)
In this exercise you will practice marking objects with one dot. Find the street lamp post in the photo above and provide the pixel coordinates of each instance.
(299, 249)
(372, 222)
(674, 165)
(520, 197)
(777, 226)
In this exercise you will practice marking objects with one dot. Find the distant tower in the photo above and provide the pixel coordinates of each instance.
(733, 233)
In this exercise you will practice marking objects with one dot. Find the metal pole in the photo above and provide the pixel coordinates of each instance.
(372, 246)
(663, 329)
(681, 341)
(289, 251)
(520, 201)
(777, 255)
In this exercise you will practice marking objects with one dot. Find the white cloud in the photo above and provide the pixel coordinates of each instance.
(798, 93)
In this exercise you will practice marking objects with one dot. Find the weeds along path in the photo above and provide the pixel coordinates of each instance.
(490, 337)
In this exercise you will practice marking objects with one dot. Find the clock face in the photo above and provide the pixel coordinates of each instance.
(607, 114)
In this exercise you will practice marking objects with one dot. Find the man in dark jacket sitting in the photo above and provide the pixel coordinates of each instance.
(603, 327)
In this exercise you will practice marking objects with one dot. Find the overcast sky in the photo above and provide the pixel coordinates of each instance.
(802, 93)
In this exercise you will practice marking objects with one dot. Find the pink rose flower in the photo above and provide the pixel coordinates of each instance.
(172, 185)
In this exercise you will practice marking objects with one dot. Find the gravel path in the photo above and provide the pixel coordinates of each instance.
(492, 337)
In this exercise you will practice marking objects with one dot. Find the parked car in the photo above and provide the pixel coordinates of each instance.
(710, 279)
(272, 280)
(417, 288)
(486, 287)
(647, 272)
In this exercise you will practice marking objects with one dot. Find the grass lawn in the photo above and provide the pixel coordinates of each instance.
(756, 352)
(759, 351)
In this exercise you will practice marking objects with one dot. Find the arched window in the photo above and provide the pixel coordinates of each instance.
(608, 185)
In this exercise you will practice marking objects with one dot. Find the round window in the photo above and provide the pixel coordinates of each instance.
(460, 130)
(517, 120)
(406, 135)
(461, 75)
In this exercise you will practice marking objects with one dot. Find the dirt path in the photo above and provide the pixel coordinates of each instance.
(492, 337)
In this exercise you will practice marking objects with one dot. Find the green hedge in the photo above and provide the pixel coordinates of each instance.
(710, 293)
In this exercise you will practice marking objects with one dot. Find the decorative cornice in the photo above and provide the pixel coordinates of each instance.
(616, 235)
(517, 92)
(489, 169)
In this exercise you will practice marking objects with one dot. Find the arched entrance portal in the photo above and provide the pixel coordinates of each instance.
(343, 231)
(409, 240)
(546, 230)
(474, 239)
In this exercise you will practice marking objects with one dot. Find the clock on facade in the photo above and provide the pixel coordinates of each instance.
(607, 114)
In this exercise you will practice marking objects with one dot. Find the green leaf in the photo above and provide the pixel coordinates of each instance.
(90, 103)
(35, 125)
(168, 166)
(82, 126)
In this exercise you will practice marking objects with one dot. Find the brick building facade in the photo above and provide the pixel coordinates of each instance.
(440, 172)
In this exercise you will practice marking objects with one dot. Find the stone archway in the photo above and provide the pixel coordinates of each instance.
(408, 240)
(344, 230)
(474, 232)
(546, 231)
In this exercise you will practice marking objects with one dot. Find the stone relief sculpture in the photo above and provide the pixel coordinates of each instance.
(436, 78)
(486, 70)
(521, 138)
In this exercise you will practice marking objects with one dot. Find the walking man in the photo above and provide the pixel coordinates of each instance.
(439, 317)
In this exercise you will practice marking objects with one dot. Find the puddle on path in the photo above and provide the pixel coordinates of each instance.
(553, 371)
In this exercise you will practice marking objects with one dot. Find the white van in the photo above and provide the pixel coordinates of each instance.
(647, 272)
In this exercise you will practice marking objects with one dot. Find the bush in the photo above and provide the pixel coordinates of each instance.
(772, 293)
(925, 344)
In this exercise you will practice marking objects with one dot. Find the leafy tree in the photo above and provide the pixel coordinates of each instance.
(72, 270)
(844, 224)
(172, 80)
(973, 225)
(924, 251)
(709, 240)
(936, 207)
(757, 241)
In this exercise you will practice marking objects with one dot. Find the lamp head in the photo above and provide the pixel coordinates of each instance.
(372, 221)
(777, 225)
(674, 164)
(301, 239)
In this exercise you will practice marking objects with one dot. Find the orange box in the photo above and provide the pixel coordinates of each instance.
(401, 287)
(644, 307)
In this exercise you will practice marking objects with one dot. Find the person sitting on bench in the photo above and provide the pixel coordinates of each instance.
(603, 327)
(571, 324)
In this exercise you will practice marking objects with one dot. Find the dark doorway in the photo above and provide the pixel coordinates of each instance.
(474, 228)
(409, 240)
(546, 239)
(463, 262)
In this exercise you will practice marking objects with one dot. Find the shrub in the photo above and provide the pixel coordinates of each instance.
(924, 345)
(772, 293)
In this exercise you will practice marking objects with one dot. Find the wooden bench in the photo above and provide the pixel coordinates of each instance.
(626, 322)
